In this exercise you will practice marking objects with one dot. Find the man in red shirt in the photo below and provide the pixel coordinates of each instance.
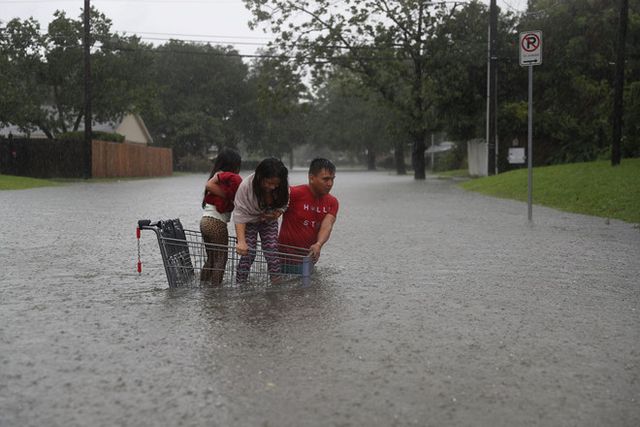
(312, 211)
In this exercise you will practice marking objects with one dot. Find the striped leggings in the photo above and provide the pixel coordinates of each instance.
(269, 240)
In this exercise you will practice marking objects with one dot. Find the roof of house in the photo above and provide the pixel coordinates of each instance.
(110, 126)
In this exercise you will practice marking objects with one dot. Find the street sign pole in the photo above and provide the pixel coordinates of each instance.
(530, 55)
(87, 155)
(530, 148)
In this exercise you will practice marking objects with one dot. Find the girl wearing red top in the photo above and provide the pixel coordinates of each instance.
(217, 204)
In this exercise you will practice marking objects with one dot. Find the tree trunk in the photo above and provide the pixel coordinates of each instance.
(45, 130)
(419, 148)
(371, 159)
(76, 124)
(401, 168)
(419, 130)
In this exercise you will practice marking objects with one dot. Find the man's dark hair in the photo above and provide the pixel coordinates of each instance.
(319, 163)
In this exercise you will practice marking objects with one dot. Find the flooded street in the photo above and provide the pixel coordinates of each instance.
(430, 306)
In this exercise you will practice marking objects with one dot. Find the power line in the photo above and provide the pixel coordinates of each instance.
(206, 41)
(124, 1)
(209, 38)
(195, 35)
(513, 9)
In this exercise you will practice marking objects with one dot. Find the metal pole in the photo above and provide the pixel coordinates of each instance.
(87, 91)
(530, 147)
(495, 117)
(492, 102)
(618, 87)
(432, 154)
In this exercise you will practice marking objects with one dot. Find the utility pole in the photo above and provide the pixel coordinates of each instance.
(492, 100)
(87, 91)
(618, 88)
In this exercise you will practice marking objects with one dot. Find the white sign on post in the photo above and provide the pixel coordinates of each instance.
(516, 156)
(530, 48)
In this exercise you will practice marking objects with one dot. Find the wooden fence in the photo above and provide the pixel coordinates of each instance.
(113, 159)
(43, 158)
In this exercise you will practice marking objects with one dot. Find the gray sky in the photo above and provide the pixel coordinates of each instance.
(218, 21)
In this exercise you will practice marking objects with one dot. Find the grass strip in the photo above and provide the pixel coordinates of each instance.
(593, 188)
(11, 182)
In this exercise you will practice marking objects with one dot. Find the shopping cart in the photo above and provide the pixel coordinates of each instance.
(184, 255)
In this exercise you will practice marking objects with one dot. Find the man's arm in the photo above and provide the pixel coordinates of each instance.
(323, 235)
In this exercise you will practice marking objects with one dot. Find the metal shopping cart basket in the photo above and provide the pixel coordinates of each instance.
(184, 255)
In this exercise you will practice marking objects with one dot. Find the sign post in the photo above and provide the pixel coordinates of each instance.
(530, 55)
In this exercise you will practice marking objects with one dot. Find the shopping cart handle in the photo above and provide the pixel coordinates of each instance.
(144, 223)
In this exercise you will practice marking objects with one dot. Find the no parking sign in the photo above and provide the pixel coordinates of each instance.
(530, 54)
(530, 48)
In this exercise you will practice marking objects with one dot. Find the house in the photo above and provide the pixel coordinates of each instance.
(131, 126)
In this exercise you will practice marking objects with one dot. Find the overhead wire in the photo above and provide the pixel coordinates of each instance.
(124, 1)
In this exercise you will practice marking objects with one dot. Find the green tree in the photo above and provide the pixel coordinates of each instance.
(280, 107)
(573, 86)
(200, 92)
(21, 57)
(386, 42)
(350, 117)
(458, 67)
(44, 85)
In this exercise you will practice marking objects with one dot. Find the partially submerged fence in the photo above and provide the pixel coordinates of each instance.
(44, 158)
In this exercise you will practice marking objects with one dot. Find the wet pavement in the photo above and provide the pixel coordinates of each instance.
(431, 306)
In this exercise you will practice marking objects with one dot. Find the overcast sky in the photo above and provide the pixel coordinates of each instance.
(218, 21)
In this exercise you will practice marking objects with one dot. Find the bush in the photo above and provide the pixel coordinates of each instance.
(192, 163)
(451, 160)
(98, 135)
(249, 165)
(388, 162)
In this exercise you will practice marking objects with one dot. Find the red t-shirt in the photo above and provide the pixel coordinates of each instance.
(301, 221)
(229, 182)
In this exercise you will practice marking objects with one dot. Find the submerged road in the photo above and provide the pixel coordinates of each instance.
(431, 306)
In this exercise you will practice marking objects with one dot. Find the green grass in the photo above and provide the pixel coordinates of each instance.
(453, 173)
(10, 182)
(594, 188)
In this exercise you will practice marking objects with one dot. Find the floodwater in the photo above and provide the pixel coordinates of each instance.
(430, 306)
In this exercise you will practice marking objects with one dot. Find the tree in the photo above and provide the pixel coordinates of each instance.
(573, 87)
(348, 117)
(458, 67)
(280, 107)
(386, 42)
(200, 91)
(21, 56)
(44, 73)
